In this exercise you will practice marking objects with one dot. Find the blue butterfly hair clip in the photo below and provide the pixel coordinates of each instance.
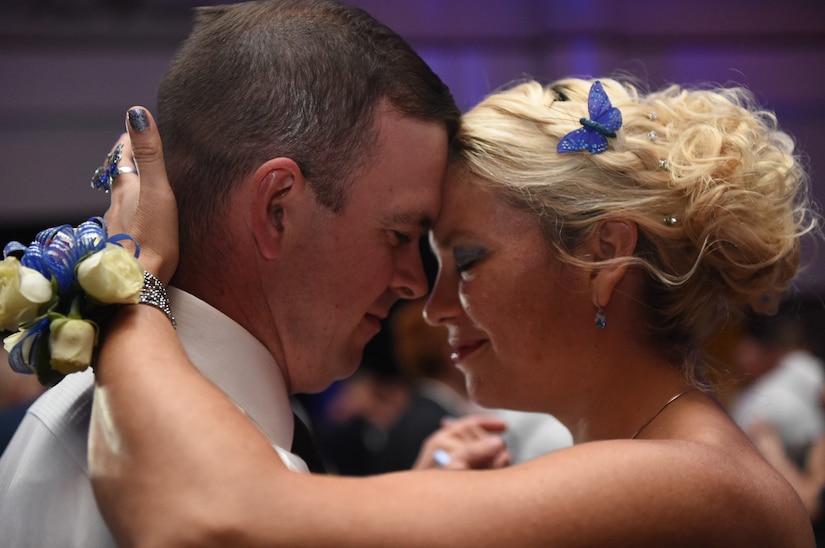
(604, 120)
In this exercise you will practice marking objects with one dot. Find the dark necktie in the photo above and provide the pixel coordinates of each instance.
(304, 446)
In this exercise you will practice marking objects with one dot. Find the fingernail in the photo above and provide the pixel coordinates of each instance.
(138, 119)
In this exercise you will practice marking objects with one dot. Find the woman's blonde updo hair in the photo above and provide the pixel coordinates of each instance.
(718, 195)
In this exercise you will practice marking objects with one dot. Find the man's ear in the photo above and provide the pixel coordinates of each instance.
(276, 184)
(612, 239)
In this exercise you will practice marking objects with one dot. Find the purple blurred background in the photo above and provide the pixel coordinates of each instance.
(69, 69)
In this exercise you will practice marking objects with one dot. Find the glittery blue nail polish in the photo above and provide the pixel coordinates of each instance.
(138, 119)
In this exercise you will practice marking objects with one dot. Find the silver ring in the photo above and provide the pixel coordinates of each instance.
(442, 458)
(127, 169)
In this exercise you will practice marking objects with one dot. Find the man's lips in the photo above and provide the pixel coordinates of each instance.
(373, 319)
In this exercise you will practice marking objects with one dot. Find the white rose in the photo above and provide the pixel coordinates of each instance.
(11, 341)
(111, 275)
(22, 291)
(71, 343)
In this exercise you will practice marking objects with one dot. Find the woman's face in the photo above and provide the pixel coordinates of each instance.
(512, 309)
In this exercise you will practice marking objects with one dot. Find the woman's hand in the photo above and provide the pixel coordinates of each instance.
(144, 205)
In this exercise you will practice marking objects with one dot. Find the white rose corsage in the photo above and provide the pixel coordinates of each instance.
(55, 292)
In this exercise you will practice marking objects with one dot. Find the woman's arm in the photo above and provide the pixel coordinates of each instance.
(175, 463)
(188, 468)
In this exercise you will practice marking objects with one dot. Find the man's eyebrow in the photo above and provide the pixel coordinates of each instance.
(424, 221)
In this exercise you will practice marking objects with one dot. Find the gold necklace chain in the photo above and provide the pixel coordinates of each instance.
(662, 408)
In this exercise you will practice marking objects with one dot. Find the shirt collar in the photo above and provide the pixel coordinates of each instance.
(237, 362)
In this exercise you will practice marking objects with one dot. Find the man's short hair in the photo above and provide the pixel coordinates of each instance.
(284, 78)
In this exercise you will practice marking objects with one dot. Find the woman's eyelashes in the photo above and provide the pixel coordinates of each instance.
(466, 257)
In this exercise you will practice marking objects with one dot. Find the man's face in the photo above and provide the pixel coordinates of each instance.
(340, 279)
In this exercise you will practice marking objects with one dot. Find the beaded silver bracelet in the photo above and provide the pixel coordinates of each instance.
(154, 294)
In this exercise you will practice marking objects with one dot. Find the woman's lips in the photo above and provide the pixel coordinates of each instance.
(464, 349)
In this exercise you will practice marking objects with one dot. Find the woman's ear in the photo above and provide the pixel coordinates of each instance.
(612, 239)
(275, 185)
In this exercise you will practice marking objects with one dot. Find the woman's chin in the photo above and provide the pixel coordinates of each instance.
(476, 391)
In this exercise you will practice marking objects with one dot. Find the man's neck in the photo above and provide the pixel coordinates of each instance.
(230, 285)
(212, 284)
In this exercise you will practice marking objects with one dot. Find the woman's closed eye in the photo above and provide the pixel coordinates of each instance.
(466, 257)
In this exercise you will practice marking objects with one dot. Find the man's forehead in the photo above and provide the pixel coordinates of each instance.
(404, 176)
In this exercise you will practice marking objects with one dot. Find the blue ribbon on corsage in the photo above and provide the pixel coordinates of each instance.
(55, 253)
(604, 121)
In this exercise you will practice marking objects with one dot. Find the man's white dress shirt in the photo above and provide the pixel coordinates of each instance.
(46, 499)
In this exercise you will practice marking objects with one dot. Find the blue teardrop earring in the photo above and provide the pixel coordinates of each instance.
(601, 319)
